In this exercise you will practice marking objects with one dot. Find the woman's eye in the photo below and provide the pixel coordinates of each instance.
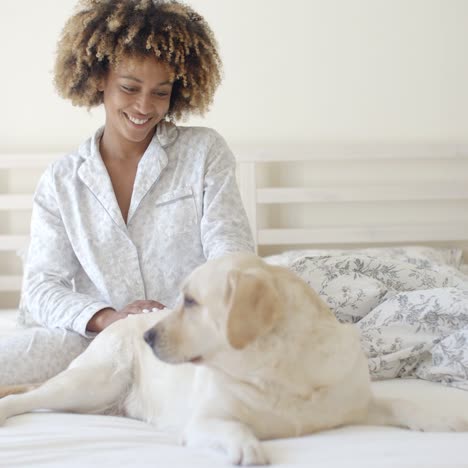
(162, 95)
(189, 301)
(128, 89)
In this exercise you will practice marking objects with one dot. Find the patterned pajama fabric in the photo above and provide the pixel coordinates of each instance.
(36, 354)
(185, 209)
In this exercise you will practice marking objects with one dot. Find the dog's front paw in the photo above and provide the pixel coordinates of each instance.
(235, 439)
(247, 453)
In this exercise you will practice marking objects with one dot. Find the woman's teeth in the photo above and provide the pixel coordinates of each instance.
(137, 121)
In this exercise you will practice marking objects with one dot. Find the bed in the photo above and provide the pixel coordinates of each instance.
(310, 208)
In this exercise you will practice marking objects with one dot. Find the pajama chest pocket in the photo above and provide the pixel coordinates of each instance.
(176, 211)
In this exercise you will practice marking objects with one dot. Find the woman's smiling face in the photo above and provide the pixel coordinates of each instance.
(137, 95)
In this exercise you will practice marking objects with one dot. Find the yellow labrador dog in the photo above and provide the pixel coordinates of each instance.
(250, 353)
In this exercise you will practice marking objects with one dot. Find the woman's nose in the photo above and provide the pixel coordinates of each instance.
(144, 104)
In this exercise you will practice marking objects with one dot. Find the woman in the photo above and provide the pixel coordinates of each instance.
(118, 223)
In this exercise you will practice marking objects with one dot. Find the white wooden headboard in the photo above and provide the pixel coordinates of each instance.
(356, 194)
(300, 196)
(19, 174)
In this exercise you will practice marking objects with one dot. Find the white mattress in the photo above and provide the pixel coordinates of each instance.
(69, 440)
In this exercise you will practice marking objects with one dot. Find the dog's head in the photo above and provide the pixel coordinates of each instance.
(227, 304)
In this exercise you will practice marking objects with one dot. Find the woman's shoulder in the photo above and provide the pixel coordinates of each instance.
(69, 162)
(197, 130)
(205, 141)
(201, 135)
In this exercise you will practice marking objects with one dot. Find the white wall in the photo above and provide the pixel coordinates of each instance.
(297, 70)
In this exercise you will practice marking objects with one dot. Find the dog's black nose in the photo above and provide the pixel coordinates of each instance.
(150, 336)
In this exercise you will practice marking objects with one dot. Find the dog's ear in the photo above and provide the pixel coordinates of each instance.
(252, 305)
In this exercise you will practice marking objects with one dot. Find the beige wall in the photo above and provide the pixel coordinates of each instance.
(299, 70)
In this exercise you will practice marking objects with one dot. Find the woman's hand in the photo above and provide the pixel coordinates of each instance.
(105, 317)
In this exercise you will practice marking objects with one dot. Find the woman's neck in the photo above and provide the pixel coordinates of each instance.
(112, 148)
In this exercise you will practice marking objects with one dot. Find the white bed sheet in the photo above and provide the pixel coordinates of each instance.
(70, 440)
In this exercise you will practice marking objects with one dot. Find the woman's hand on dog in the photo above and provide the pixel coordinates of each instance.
(106, 317)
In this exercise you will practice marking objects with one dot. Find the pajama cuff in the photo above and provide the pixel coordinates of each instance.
(79, 324)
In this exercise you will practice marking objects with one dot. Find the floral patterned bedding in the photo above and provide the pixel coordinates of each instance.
(409, 304)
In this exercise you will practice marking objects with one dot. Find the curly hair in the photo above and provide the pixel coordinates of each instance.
(102, 32)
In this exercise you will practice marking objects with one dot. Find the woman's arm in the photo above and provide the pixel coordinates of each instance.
(50, 267)
(224, 225)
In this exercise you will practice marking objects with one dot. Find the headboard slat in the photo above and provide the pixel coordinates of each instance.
(12, 243)
(351, 152)
(15, 202)
(27, 161)
(364, 234)
(401, 192)
(10, 283)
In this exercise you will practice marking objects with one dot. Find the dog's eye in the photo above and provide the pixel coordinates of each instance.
(189, 301)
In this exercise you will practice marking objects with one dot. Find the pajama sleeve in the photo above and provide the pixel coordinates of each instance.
(224, 224)
(48, 296)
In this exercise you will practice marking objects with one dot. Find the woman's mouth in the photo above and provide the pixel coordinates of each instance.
(136, 121)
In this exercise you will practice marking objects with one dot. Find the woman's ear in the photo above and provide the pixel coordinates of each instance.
(100, 84)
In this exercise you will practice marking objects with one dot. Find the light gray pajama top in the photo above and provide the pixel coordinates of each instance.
(185, 209)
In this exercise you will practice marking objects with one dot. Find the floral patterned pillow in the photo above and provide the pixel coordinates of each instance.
(349, 295)
(353, 284)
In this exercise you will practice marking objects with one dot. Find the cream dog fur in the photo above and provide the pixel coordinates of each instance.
(250, 353)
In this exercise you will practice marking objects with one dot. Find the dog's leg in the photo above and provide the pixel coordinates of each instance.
(84, 389)
(419, 405)
(15, 389)
(235, 438)
(414, 416)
